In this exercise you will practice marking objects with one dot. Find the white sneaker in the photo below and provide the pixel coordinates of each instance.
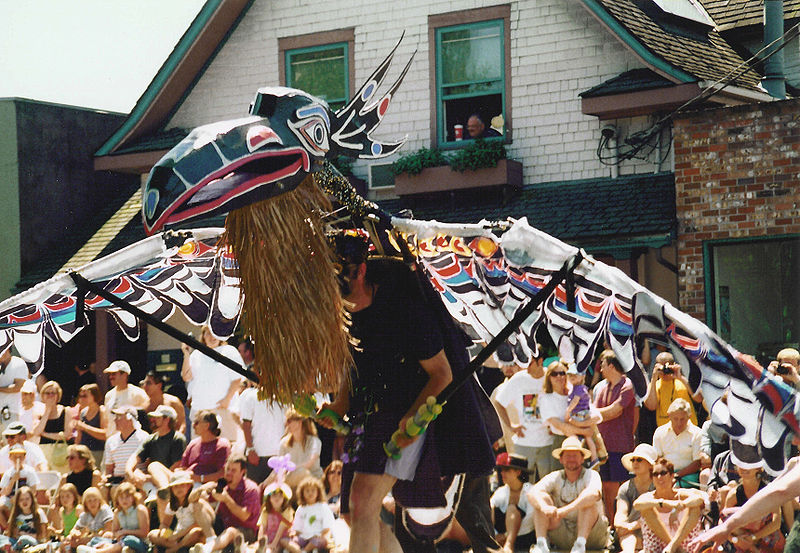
(536, 548)
(85, 549)
(578, 548)
(196, 548)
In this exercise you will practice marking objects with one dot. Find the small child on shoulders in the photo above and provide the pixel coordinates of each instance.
(579, 414)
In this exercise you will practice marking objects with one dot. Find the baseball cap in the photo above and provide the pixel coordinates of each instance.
(15, 428)
(118, 366)
(163, 411)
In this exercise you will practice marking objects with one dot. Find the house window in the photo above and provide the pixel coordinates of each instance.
(470, 63)
(320, 64)
(753, 294)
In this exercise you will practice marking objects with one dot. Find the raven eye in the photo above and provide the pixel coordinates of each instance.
(313, 132)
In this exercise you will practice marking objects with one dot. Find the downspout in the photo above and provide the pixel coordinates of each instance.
(774, 80)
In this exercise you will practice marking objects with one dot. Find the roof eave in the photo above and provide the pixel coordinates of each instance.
(179, 71)
(643, 102)
(735, 95)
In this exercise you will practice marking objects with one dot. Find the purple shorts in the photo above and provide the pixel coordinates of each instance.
(612, 470)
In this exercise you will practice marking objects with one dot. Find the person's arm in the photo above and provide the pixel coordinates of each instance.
(93, 431)
(186, 367)
(621, 519)
(616, 408)
(502, 413)
(132, 473)
(12, 480)
(233, 388)
(340, 405)
(247, 430)
(651, 398)
(590, 495)
(180, 422)
(571, 406)
(697, 396)
(439, 376)
(236, 510)
(13, 388)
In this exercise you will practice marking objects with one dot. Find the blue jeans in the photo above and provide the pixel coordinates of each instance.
(134, 542)
(19, 543)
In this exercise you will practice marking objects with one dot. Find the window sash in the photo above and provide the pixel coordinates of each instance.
(293, 60)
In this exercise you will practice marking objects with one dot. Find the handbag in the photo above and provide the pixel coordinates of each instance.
(56, 453)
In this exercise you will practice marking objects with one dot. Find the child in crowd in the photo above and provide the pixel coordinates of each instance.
(65, 510)
(186, 532)
(579, 414)
(276, 519)
(27, 522)
(94, 522)
(313, 520)
(131, 522)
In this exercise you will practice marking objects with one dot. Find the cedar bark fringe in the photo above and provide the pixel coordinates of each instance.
(292, 305)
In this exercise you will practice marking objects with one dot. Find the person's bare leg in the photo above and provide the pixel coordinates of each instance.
(628, 543)
(366, 495)
(204, 518)
(610, 490)
(688, 522)
(586, 520)
(541, 523)
(513, 522)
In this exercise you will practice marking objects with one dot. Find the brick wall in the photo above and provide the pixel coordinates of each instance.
(558, 49)
(736, 176)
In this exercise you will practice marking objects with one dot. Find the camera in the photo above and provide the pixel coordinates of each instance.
(667, 369)
(221, 483)
(783, 369)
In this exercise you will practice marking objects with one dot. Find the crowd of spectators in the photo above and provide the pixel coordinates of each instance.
(578, 469)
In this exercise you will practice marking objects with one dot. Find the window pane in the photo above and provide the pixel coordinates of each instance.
(321, 72)
(472, 54)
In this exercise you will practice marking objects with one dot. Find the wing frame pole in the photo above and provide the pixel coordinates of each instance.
(84, 285)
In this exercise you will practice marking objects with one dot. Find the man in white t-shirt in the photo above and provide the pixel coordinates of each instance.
(13, 374)
(16, 435)
(263, 424)
(122, 393)
(532, 438)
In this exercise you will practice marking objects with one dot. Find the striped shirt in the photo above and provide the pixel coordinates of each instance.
(118, 451)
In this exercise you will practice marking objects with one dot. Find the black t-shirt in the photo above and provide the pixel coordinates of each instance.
(167, 449)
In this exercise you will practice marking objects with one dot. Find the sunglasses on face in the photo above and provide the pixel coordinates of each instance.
(660, 472)
(558, 373)
(636, 459)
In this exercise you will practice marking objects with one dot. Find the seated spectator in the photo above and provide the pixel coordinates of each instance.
(186, 532)
(627, 520)
(16, 434)
(153, 385)
(27, 522)
(159, 454)
(54, 425)
(301, 442)
(513, 515)
(763, 535)
(122, 393)
(32, 410)
(276, 518)
(65, 510)
(18, 476)
(239, 498)
(672, 516)
(206, 454)
(679, 442)
(332, 481)
(123, 444)
(92, 423)
(96, 521)
(82, 471)
(131, 523)
(668, 384)
(313, 521)
(567, 504)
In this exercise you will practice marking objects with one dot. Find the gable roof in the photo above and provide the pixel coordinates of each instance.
(678, 57)
(732, 14)
(194, 51)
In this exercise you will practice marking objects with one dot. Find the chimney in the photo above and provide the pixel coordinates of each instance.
(774, 80)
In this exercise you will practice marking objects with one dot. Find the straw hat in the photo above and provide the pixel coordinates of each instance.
(180, 477)
(571, 443)
(642, 451)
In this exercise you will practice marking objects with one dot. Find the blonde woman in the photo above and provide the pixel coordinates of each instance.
(54, 426)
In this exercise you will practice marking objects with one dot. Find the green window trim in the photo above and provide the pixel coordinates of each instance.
(293, 58)
(491, 86)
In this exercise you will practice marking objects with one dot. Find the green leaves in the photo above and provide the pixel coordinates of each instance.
(477, 154)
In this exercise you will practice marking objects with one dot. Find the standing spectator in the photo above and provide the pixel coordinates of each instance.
(672, 517)
(554, 402)
(82, 374)
(15, 434)
(667, 385)
(13, 374)
(31, 409)
(262, 425)
(123, 444)
(531, 439)
(239, 506)
(248, 353)
(614, 400)
(122, 393)
(206, 454)
(579, 413)
(92, 423)
(54, 425)
(567, 505)
(153, 385)
(508, 371)
(786, 366)
(212, 386)
(679, 442)
(83, 473)
(627, 520)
